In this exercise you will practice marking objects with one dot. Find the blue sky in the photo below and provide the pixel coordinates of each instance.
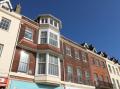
(96, 22)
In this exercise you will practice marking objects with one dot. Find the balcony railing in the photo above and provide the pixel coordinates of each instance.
(102, 84)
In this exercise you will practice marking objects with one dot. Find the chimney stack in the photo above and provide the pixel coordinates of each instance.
(18, 9)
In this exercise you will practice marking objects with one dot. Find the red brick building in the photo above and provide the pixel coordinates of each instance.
(44, 57)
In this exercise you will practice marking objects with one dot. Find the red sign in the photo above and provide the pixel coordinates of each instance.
(3, 81)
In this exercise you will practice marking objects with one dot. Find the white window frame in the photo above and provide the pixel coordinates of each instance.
(27, 62)
(77, 55)
(43, 62)
(45, 37)
(53, 39)
(6, 22)
(68, 50)
(1, 49)
(54, 65)
(69, 73)
(79, 75)
(47, 65)
(84, 56)
(30, 32)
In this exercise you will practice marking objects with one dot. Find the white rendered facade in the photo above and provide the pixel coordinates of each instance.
(9, 28)
(114, 72)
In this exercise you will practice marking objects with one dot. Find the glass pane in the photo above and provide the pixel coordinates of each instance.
(69, 73)
(53, 65)
(42, 57)
(79, 75)
(28, 34)
(5, 23)
(23, 64)
(41, 68)
(1, 48)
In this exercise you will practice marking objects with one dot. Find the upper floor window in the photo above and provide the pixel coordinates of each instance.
(114, 84)
(97, 62)
(43, 37)
(53, 40)
(53, 65)
(84, 56)
(76, 54)
(79, 75)
(5, 23)
(68, 50)
(69, 73)
(101, 78)
(1, 48)
(96, 79)
(117, 71)
(48, 64)
(44, 20)
(109, 67)
(23, 64)
(87, 77)
(93, 61)
(28, 34)
(42, 64)
(103, 64)
(55, 23)
(51, 21)
(113, 69)
(118, 84)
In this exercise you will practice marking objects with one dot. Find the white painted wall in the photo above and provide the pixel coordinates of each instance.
(8, 39)
(116, 76)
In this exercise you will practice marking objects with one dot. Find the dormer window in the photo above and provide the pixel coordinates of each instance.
(55, 23)
(44, 20)
(51, 21)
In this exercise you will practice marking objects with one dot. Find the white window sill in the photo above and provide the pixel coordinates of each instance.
(28, 39)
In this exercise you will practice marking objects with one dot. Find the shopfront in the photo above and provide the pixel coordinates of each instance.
(3, 82)
(16, 84)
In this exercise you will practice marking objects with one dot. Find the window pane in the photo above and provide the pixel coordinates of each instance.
(118, 84)
(53, 65)
(23, 64)
(84, 56)
(69, 73)
(68, 50)
(42, 64)
(109, 68)
(114, 84)
(79, 75)
(5, 23)
(1, 49)
(43, 37)
(96, 79)
(103, 64)
(41, 68)
(53, 39)
(51, 21)
(28, 34)
(77, 54)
